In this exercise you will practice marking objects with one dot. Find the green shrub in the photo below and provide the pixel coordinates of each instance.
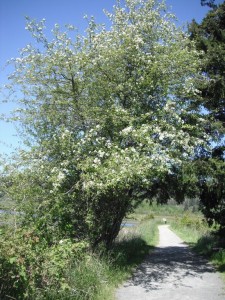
(190, 227)
(190, 220)
(149, 216)
(29, 266)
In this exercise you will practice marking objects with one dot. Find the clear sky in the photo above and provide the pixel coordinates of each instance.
(13, 35)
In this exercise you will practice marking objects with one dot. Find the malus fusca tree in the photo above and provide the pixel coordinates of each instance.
(108, 116)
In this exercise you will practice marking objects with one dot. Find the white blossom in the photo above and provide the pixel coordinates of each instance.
(97, 161)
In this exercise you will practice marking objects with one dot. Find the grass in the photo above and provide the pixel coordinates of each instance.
(97, 276)
(147, 211)
(190, 227)
(130, 249)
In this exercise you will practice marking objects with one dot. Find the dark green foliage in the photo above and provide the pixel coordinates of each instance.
(210, 3)
(213, 194)
(210, 38)
(208, 177)
(208, 171)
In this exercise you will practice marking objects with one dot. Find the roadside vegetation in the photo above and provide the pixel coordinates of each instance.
(69, 270)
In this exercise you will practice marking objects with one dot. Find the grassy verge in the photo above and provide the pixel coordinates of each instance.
(190, 227)
(99, 275)
(131, 247)
(195, 232)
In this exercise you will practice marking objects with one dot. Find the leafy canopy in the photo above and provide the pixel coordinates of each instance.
(108, 118)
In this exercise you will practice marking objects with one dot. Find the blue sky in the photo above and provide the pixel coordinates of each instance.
(13, 35)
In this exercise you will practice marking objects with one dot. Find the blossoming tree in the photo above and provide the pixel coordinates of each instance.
(108, 118)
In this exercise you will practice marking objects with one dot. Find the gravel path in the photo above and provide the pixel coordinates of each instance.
(173, 272)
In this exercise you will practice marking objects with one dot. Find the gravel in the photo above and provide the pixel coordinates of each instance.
(173, 272)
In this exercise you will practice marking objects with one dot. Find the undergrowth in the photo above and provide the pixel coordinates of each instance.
(31, 269)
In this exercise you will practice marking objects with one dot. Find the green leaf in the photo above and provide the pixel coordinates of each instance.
(12, 259)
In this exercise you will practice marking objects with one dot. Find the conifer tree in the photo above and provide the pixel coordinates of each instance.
(209, 36)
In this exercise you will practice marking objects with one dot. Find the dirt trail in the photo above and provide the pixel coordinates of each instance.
(173, 272)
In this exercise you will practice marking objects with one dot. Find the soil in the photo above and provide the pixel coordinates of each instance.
(173, 272)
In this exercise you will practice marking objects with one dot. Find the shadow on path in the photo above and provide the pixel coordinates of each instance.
(172, 271)
(169, 264)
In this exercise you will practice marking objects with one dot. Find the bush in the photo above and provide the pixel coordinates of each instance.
(29, 266)
(191, 220)
(32, 268)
